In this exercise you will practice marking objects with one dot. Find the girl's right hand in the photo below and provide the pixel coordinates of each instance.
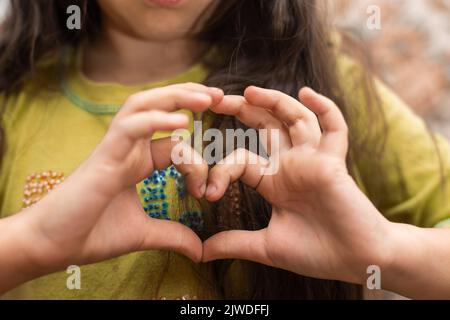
(322, 225)
(96, 213)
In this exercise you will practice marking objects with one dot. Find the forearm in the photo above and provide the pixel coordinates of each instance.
(15, 267)
(52, 234)
(414, 262)
(420, 264)
(23, 254)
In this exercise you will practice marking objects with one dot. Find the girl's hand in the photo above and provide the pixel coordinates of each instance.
(96, 213)
(322, 225)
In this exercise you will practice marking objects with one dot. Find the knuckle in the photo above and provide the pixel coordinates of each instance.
(261, 124)
(155, 114)
(120, 126)
(121, 129)
(133, 99)
(193, 84)
(309, 115)
(161, 90)
(198, 168)
(298, 124)
(180, 244)
(240, 156)
(333, 104)
(176, 94)
(241, 151)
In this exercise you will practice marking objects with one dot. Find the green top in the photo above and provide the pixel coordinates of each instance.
(56, 129)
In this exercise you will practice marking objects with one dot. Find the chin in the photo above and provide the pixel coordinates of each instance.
(163, 33)
(153, 23)
(161, 28)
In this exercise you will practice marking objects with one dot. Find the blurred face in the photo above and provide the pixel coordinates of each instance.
(157, 20)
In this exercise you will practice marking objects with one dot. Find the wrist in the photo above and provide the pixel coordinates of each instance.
(407, 250)
(378, 254)
(35, 238)
(370, 240)
(400, 249)
(21, 259)
(383, 252)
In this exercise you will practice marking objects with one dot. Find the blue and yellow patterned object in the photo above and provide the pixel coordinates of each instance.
(161, 195)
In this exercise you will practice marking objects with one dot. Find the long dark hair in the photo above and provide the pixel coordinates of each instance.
(279, 44)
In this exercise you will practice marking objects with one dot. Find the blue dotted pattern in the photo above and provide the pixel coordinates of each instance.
(156, 200)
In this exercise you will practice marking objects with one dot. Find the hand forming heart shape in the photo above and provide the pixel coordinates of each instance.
(99, 215)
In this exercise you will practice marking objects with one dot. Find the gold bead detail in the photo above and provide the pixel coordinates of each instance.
(38, 185)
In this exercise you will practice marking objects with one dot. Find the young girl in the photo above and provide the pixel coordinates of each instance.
(62, 91)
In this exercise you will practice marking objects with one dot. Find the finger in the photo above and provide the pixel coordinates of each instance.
(215, 93)
(161, 151)
(173, 236)
(302, 123)
(192, 166)
(255, 117)
(335, 131)
(186, 160)
(240, 164)
(169, 99)
(144, 124)
(246, 245)
(124, 133)
(283, 106)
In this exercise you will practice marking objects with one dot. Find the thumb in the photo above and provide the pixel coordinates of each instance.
(236, 244)
(172, 236)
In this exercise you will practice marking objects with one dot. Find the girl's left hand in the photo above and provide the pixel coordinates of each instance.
(322, 225)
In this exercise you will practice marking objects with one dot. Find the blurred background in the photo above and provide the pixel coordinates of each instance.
(410, 51)
(3, 4)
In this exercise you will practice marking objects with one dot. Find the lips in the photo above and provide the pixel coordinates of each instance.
(165, 3)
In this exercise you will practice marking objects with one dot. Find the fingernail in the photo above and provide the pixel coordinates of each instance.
(201, 95)
(216, 90)
(178, 117)
(211, 190)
